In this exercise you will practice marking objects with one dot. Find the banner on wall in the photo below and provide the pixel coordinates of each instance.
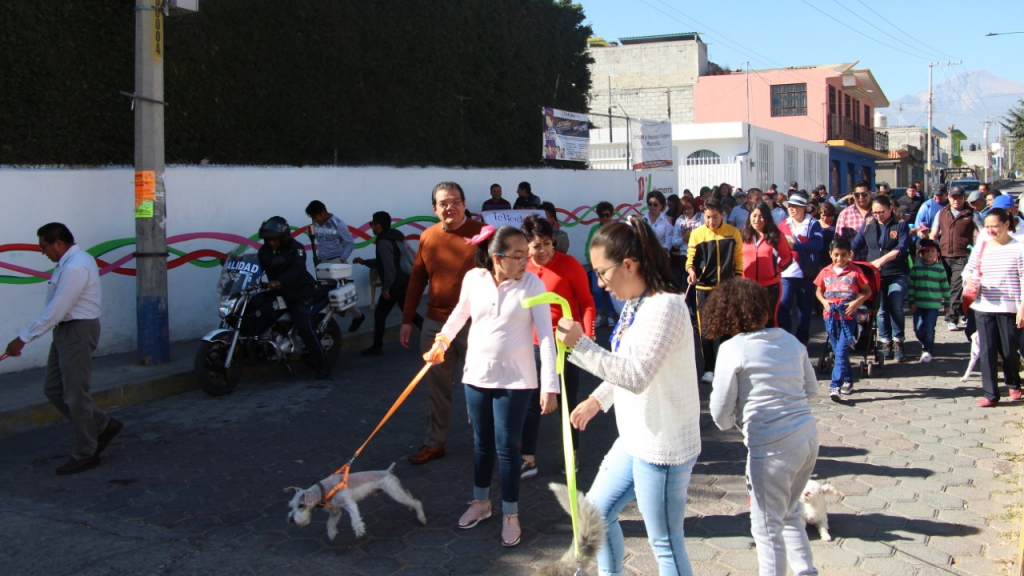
(650, 144)
(499, 218)
(566, 135)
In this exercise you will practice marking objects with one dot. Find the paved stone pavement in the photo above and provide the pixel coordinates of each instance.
(930, 484)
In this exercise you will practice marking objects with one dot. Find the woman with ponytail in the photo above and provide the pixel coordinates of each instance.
(500, 374)
(650, 377)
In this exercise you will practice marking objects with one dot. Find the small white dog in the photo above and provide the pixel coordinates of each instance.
(814, 507)
(593, 531)
(975, 353)
(360, 485)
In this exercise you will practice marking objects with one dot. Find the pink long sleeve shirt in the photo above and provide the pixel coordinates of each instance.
(500, 353)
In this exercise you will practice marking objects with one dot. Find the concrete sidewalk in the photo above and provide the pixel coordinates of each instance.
(119, 380)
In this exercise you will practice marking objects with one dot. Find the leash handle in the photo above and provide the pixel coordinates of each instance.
(568, 450)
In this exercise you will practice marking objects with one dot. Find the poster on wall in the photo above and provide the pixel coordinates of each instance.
(566, 135)
(650, 144)
(499, 218)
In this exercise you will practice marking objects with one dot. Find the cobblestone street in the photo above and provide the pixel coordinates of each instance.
(929, 484)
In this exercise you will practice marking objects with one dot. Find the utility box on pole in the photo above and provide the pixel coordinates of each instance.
(184, 5)
(150, 201)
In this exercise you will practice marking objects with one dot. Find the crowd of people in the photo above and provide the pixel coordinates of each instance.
(733, 270)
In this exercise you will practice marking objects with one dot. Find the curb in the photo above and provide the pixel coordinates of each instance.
(17, 420)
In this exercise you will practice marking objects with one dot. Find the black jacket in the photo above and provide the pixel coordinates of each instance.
(388, 261)
(288, 266)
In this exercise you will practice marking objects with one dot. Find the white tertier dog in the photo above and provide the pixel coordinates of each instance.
(975, 354)
(814, 507)
(360, 485)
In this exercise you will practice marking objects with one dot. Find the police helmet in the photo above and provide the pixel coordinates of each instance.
(275, 228)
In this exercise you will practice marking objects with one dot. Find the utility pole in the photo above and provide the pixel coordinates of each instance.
(928, 173)
(928, 170)
(988, 151)
(150, 205)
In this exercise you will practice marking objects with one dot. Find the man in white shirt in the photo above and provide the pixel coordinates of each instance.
(73, 313)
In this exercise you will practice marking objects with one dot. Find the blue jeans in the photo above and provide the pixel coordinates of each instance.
(660, 492)
(924, 327)
(497, 417)
(842, 337)
(798, 293)
(890, 308)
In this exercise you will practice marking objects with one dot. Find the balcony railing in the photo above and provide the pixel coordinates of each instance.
(842, 128)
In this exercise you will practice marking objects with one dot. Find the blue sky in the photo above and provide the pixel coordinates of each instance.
(896, 40)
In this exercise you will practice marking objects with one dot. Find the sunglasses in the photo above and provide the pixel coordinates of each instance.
(861, 194)
(653, 204)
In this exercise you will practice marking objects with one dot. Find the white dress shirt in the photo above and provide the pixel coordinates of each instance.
(662, 229)
(73, 293)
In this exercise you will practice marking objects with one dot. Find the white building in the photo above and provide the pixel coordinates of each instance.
(737, 153)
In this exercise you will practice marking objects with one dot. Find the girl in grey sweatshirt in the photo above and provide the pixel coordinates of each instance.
(762, 383)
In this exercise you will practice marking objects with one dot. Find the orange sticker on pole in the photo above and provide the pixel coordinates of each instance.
(145, 193)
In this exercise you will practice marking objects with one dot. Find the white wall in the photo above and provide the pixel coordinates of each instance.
(97, 205)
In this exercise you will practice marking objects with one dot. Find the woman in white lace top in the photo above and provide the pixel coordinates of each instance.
(650, 377)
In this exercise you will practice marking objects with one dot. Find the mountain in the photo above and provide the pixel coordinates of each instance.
(962, 100)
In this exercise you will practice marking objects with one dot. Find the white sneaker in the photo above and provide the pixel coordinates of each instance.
(926, 357)
(708, 377)
(952, 327)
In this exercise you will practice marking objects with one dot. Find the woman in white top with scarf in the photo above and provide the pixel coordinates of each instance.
(650, 377)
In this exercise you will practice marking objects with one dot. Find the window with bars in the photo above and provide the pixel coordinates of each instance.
(765, 163)
(792, 158)
(789, 99)
(703, 158)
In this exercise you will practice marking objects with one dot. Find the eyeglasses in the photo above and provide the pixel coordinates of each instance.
(601, 273)
(519, 259)
(447, 205)
(44, 245)
(879, 212)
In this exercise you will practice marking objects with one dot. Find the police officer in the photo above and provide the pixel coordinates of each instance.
(284, 260)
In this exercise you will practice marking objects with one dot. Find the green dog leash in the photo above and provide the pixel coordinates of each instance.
(567, 448)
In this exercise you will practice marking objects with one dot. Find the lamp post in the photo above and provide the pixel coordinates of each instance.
(629, 143)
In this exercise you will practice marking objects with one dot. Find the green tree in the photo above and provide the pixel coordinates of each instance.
(1013, 122)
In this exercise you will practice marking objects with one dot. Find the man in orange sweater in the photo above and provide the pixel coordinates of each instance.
(442, 260)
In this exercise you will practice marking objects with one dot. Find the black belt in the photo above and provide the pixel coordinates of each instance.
(66, 322)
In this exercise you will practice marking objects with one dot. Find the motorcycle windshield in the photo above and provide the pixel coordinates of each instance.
(239, 273)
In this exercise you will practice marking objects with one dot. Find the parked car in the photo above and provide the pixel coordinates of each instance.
(968, 184)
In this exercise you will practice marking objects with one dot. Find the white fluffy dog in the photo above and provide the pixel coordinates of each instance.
(975, 353)
(814, 507)
(360, 485)
(593, 531)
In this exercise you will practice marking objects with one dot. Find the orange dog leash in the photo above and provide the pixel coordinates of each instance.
(344, 470)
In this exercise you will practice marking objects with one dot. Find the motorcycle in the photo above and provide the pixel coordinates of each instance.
(256, 326)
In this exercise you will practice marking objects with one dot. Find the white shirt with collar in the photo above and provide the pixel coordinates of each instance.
(73, 293)
(662, 229)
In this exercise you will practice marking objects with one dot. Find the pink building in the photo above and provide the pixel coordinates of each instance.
(832, 104)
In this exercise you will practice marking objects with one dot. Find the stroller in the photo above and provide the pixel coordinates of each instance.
(867, 330)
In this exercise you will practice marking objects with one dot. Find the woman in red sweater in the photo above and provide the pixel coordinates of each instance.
(563, 275)
(764, 256)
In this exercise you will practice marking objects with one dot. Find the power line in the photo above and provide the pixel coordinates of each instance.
(832, 17)
(904, 32)
(735, 45)
(872, 24)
